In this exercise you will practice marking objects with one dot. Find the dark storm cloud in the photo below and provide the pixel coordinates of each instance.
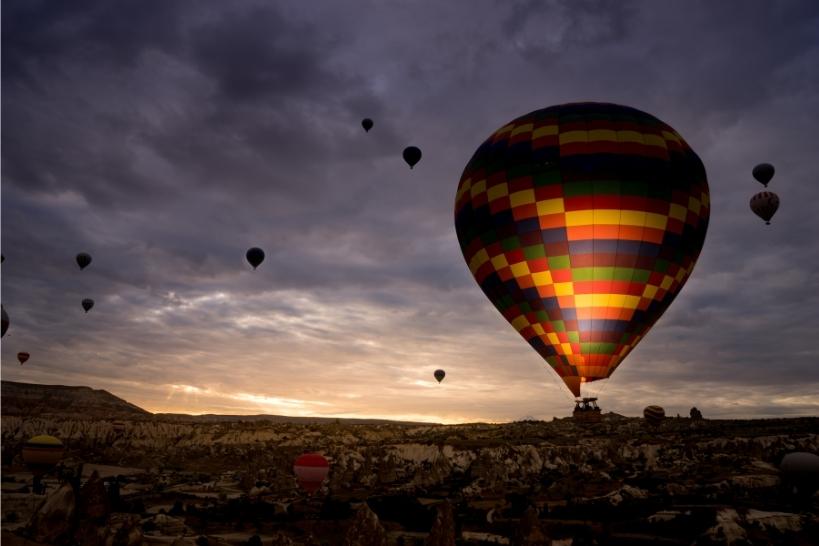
(167, 140)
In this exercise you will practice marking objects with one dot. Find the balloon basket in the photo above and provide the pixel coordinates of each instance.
(586, 411)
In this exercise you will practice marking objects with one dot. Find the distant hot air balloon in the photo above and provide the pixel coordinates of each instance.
(42, 452)
(764, 204)
(581, 223)
(87, 304)
(412, 155)
(763, 173)
(801, 471)
(439, 375)
(654, 415)
(4, 321)
(119, 426)
(367, 123)
(22, 357)
(311, 470)
(255, 256)
(83, 260)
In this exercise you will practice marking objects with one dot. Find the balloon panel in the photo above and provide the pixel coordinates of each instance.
(581, 222)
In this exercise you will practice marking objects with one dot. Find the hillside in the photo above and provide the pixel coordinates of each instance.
(32, 400)
(67, 402)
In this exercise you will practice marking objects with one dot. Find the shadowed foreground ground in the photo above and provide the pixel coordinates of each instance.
(616, 482)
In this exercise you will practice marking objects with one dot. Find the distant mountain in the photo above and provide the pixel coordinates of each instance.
(33, 400)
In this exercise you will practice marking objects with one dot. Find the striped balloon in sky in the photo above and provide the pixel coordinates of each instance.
(581, 223)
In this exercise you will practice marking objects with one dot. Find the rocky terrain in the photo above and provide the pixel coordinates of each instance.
(620, 481)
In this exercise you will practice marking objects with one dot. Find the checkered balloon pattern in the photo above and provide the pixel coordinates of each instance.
(581, 223)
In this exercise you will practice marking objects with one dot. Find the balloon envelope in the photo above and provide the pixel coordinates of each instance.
(83, 260)
(765, 204)
(42, 451)
(311, 470)
(654, 414)
(367, 123)
(763, 173)
(581, 223)
(22, 357)
(4, 321)
(87, 304)
(412, 155)
(255, 256)
(439, 375)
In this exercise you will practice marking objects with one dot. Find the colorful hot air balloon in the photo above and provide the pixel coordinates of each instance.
(87, 304)
(4, 321)
(311, 470)
(654, 415)
(581, 223)
(255, 256)
(22, 357)
(439, 375)
(412, 155)
(83, 260)
(367, 123)
(42, 452)
(764, 204)
(763, 173)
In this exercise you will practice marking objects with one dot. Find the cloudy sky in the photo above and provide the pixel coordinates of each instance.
(166, 138)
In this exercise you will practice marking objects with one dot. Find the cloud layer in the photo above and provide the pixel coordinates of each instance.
(166, 141)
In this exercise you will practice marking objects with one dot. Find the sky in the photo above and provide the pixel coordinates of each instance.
(167, 138)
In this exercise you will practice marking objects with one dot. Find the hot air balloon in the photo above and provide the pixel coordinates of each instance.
(4, 321)
(654, 415)
(255, 256)
(801, 471)
(119, 426)
(22, 357)
(412, 155)
(367, 123)
(763, 173)
(439, 375)
(83, 260)
(87, 304)
(40, 454)
(764, 204)
(581, 223)
(311, 470)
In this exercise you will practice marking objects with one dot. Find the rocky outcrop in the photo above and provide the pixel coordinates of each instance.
(365, 529)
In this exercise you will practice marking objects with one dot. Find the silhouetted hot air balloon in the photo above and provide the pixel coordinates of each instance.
(367, 123)
(4, 321)
(412, 155)
(800, 470)
(581, 223)
(764, 204)
(22, 357)
(83, 260)
(439, 375)
(654, 415)
(763, 173)
(42, 452)
(311, 470)
(255, 256)
(87, 304)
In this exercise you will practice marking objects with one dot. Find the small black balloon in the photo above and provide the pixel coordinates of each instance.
(367, 123)
(255, 256)
(4, 323)
(439, 375)
(763, 173)
(83, 260)
(87, 304)
(412, 155)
